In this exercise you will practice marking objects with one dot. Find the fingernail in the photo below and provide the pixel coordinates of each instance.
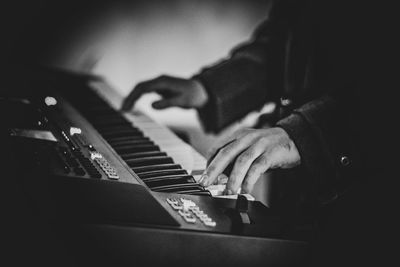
(227, 192)
(204, 180)
(222, 179)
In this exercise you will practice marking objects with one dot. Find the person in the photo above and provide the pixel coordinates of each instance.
(307, 57)
(286, 62)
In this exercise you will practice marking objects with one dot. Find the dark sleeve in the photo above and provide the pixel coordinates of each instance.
(247, 79)
(327, 143)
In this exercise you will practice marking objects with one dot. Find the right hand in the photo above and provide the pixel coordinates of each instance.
(178, 92)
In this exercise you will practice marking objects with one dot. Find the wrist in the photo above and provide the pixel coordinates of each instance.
(202, 97)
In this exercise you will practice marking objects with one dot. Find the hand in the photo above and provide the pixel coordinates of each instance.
(184, 93)
(254, 151)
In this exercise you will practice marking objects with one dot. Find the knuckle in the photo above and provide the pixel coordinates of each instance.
(211, 170)
(253, 171)
(225, 151)
(252, 133)
(244, 158)
(261, 163)
(162, 77)
(264, 140)
(138, 88)
(179, 101)
(241, 160)
(247, 185)
(241, 132)
(160, 81)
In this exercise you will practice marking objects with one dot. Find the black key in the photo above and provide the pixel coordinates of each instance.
(117, 128)
(178, 188)
(120, 133)
(104, 123)
(126, 139)
(97, 110)
(132, 144)
(158, 173)
(111, 117)
(144, 169)
(136, 148)
(104, 127)
(195, 192)
(171, 180)
(148, 161)
(189, 178)
(108, 118)
(199, 193)
(143, 155)
(121, 145)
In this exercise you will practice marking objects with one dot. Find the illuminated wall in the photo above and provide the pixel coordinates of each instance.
(135, 40)
(129, 41)
(132, 41)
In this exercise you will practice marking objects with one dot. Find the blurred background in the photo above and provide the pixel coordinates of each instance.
(130, 41)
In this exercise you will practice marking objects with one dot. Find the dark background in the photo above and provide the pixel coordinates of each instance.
(127, 41)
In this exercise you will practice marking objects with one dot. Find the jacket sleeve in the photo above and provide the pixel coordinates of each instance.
(249, 77)
(327, 143)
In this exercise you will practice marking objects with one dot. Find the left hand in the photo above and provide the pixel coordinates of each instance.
(255, 151)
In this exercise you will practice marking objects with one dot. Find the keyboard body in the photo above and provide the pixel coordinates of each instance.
(114, 194)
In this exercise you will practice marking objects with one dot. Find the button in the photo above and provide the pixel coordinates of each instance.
(172, 201)
(189, 219)
(198, 213)
(184, 213)
(205, 218)
(194, 208)
(211, 223)
(176, 206)
(344, 160)
(79, 171)
(285, 101)
(187, 204)
(113, 177)
(66, 169)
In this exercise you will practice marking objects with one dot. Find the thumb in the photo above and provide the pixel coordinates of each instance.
(163, 103)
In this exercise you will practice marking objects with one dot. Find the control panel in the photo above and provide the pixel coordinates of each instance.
(190, 212)
(61, 142)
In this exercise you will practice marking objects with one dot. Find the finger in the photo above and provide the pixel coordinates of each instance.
(224, 157)
(259, 166)
(242, 164)
(134, 95)
(216, 151)
(159, 84)
(163, 103)
(221, 160)
(222, 179)
(224, 142)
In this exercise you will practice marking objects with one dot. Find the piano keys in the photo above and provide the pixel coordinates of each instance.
(178, 150)
(132, 137)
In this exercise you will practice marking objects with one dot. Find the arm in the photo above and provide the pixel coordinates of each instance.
(317, 135)
(327, 143)
(250, 77)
